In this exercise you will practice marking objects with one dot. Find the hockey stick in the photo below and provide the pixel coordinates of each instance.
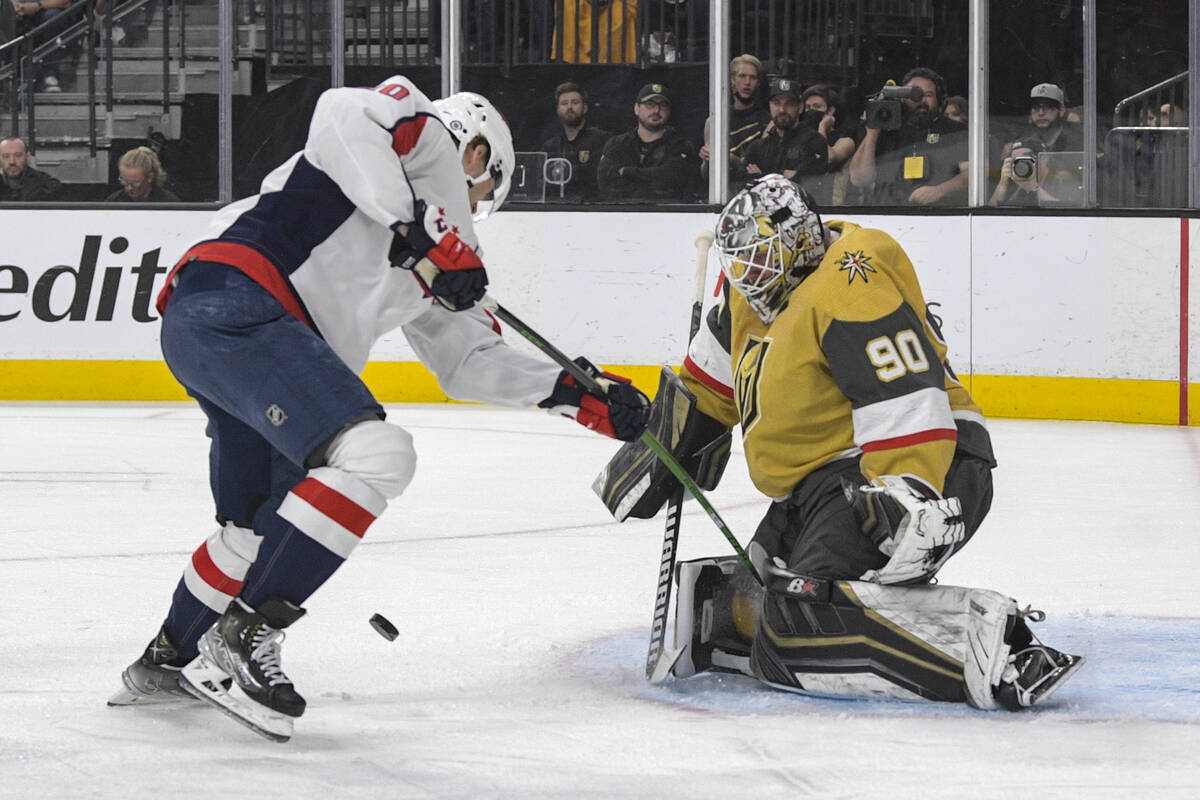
(592, 387)
(658, 661)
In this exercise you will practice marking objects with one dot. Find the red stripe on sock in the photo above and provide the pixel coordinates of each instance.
(211, 574)
(335, 505)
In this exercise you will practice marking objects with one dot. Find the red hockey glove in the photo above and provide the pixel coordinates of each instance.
(621, 415)
(445, 265)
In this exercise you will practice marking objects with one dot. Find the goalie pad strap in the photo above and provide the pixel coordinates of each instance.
(635, 483)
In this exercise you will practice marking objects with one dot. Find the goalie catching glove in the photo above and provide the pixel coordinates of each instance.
(911, 523)
(445, 265)
(636, 483)
(621, 414)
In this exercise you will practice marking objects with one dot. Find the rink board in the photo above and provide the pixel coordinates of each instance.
(1059, 317)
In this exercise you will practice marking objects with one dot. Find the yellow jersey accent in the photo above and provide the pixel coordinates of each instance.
(853, 364)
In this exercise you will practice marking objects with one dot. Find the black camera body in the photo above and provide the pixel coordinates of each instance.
(1023, 167)
(883, 109)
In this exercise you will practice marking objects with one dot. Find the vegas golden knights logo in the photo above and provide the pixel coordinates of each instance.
(746, 379)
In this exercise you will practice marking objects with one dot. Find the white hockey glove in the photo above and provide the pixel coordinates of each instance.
(444, 264)
(910, 523)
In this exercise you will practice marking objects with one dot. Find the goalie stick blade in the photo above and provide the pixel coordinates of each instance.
(666, 665)
(205, 680)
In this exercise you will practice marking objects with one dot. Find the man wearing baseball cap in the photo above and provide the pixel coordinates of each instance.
(793, 146)
(653, 162)
(1048, 119)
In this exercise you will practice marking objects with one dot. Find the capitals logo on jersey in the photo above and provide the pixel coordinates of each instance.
(857, 264)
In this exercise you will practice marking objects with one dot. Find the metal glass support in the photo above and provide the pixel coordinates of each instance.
(225, 102)
(1090, 24)
(718, 101)
(977, 91)
(337, 43)
(451, 46)
(1193, 107)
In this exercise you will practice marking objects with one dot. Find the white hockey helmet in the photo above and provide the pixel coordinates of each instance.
(468, 115)
(769, 239)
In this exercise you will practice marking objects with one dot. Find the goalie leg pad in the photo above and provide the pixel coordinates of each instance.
(635, 483)
(859, 639)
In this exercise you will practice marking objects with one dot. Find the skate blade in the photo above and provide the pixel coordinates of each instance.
(124, 697)
(128, 695)
(205, 680)
(1050, 687)
(665, 666)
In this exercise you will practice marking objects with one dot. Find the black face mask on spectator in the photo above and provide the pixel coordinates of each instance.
(811, 118)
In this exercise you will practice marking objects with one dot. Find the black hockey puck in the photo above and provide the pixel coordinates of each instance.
(383, 627)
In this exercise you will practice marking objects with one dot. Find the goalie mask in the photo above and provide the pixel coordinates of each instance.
(769, 239)
(468, 115)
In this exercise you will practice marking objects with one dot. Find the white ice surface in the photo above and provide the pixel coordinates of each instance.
(523, 613)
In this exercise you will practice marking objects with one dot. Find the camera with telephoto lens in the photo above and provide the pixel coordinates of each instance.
(883, 110)
(1025, 167)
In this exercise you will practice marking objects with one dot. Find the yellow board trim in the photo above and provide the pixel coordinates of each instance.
(1013, 396)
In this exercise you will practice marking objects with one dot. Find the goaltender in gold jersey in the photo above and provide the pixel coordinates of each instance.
(877, 462)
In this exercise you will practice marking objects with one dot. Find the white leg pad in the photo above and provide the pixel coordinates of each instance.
(965, 624)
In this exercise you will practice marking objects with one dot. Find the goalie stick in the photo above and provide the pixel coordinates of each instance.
(659, 660)
(593, 387)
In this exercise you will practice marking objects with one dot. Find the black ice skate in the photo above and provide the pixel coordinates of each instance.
(1034, 671)
(153, 678)
(1033, 674)
(244, 645)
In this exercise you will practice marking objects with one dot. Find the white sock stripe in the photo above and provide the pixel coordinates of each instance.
(312, 523)
(353, 488)
(226, 560)
(206, 594)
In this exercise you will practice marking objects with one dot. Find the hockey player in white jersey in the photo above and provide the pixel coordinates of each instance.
(267, 323)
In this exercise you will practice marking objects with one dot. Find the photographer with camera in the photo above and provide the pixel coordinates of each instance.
(1020, 177)
(792, 146)
(912, 153)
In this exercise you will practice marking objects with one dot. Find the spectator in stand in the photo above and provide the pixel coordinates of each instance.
(578, 142)
(142, 178)
(956, 108)
(615, 22)
(1047, 119)
(1021, 186)
(792, 146)
(653, 161)
(840, 136)
(23, 183)
(29, 16)
(1171, 115)
(924, 161)
(748, 115)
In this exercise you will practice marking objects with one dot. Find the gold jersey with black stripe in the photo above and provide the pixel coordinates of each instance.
(854, 364)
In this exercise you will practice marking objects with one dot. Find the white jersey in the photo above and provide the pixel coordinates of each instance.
(318, 233)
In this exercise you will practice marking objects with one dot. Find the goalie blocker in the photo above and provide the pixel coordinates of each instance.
(635, 483)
